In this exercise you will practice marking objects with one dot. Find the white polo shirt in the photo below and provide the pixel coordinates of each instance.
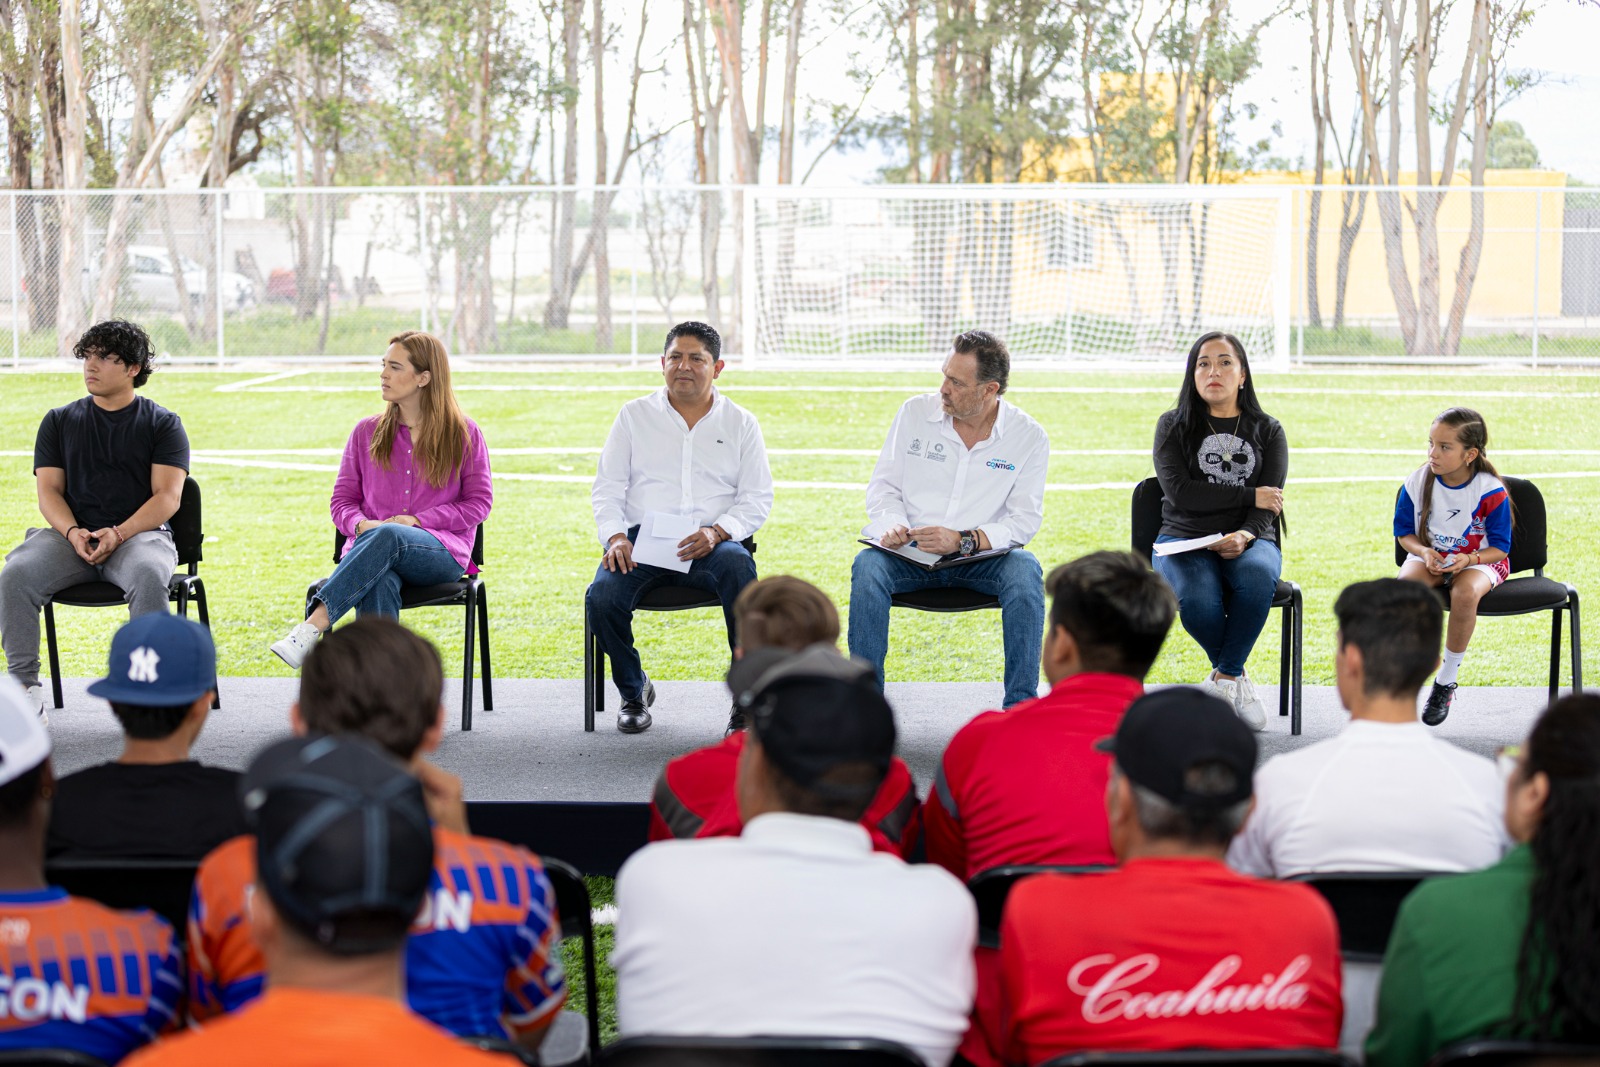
(652, 461)
(796, 928)
(926, 476)
(1378, 797)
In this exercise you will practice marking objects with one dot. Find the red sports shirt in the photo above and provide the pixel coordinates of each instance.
(695, 797)
(1166, 954)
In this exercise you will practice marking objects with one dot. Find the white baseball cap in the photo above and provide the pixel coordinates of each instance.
(24, 742)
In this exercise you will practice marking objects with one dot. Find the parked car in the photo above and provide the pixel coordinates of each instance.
(148, 278)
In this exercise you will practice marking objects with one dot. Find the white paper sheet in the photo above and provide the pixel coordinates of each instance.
(1172, 548)
(658, 539)
(916, 555)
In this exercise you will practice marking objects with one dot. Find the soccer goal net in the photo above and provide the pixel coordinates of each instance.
(1060, 272)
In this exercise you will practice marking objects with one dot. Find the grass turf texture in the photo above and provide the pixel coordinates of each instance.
(269, 533)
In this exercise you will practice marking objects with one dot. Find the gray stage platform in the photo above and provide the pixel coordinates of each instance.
(532, 746)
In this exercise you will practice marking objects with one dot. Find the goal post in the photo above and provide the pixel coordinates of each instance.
(1062, 272)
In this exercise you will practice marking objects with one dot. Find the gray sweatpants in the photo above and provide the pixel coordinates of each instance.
(44, 564)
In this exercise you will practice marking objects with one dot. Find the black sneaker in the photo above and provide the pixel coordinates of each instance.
(1438, 706)
(735, 720)
(633, 719)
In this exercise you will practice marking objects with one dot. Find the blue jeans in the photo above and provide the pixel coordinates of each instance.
(1015, 578)
(613, 596)
(378, 562)
(1224, 603)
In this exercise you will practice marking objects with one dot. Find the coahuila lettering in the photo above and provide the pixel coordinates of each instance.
(1107, 998)
(31, 1000)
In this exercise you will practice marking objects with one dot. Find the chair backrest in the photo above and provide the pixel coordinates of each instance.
(1261, 1057)
(188, 527)
(163, 886)
(1366, 904)
(1146, 516)
(990, 889)
(477, 545)
(577, 920)
(1487, 1052)
(1530, 547)
(757, 1052)
(47, 1057)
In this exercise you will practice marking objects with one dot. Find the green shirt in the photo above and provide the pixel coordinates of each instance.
(1451, 969)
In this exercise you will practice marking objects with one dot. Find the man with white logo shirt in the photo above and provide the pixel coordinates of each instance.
(683, 458)
(1173, 950)
(1386, 794)
(963, 471)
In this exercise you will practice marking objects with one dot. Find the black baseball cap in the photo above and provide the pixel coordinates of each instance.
(343, 843)
(814, 710)
(1165, 734)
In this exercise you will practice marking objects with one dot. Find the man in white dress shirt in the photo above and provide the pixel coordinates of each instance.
(797, 927)
(963, 471)
(1386, 794)
(683, 458)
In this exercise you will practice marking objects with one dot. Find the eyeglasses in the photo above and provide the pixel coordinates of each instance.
(1508, 759)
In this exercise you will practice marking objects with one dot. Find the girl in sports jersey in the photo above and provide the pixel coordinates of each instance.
(1453, 517)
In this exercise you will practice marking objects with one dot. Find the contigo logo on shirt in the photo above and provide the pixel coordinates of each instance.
(1000, 465)
(32, 1000)
(1106, 997)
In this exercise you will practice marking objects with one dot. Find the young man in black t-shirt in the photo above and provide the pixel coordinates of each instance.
(154, 802)
(109, 470)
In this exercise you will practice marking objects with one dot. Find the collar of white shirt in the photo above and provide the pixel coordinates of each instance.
(1413, 731)
(810, 835)
(995, 432)
(664, 403)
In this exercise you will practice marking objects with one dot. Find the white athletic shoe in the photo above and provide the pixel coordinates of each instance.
(35, 695)
(1247, 704)
(1226, 689)
(294, 647)
(1211, 687)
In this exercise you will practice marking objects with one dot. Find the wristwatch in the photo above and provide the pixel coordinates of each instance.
(969, 542)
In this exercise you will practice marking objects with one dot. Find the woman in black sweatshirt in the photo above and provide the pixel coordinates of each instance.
(1221, 462)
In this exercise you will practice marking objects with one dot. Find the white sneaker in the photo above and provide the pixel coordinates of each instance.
(35, 694)
(1210, 686)
(294, 647)
(1247, 704)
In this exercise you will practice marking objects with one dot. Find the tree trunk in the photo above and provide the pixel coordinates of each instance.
(1352, 212)
(913, 57)
(558, 311)
(74, 213)
(602, 200)
(1472, 251)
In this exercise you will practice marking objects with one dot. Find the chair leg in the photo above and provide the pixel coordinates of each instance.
(50, 645)
(591, 991)
(483, 642)
(1285, 655)
(467, 664)
(1577, 643)
(1555, 654)
(1299, 653)
(590, 671)
(205, 620)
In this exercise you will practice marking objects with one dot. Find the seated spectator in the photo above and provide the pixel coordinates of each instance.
(346, 860)
(1386, 794)
(1027, 785)
(154, 802)
(694, 796)
(1173, 950)
(480, 959)
(796, 927)
(73, 975)
(1510, 951)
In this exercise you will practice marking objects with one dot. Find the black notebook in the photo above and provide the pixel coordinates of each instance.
(930, 562)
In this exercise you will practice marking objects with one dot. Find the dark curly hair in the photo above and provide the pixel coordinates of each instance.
(707, 335)
(1558, 968)
(123, 341)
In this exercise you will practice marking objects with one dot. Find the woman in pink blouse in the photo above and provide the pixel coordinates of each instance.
(412, 488)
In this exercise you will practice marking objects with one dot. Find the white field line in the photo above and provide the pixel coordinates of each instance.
(248, 383)
(594, 450)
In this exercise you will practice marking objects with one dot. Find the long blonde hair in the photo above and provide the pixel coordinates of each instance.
(439, 442)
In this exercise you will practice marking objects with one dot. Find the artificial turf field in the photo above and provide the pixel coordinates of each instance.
(267, 443)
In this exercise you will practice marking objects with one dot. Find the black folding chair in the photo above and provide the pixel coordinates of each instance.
(577, 920)
(991, 888)
(1530, 550)
(467, 591)
(500, 1045)
(1366, 904)
(757, 1052)
(1147, 527)
(187, 536)
(1260, 1057)
(1486, 1052)
(663, 598)
(163, 886)
(48, 1057)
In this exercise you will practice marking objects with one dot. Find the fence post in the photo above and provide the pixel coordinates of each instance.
(422, 253)
(749, 311)
(1538, 219)
(1074, 239)
(217, 195)
(16, 285)
(633, 280)
(1282, 277)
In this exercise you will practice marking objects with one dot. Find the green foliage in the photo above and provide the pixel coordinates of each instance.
(1510, 148)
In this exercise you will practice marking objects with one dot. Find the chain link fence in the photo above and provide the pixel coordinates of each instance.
(878, 273)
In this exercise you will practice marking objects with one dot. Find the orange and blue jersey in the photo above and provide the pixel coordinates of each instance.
(77, 975)
(480, 960)
(1469, 517)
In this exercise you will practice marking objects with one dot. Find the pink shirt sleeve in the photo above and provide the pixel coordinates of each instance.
(347, 500)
